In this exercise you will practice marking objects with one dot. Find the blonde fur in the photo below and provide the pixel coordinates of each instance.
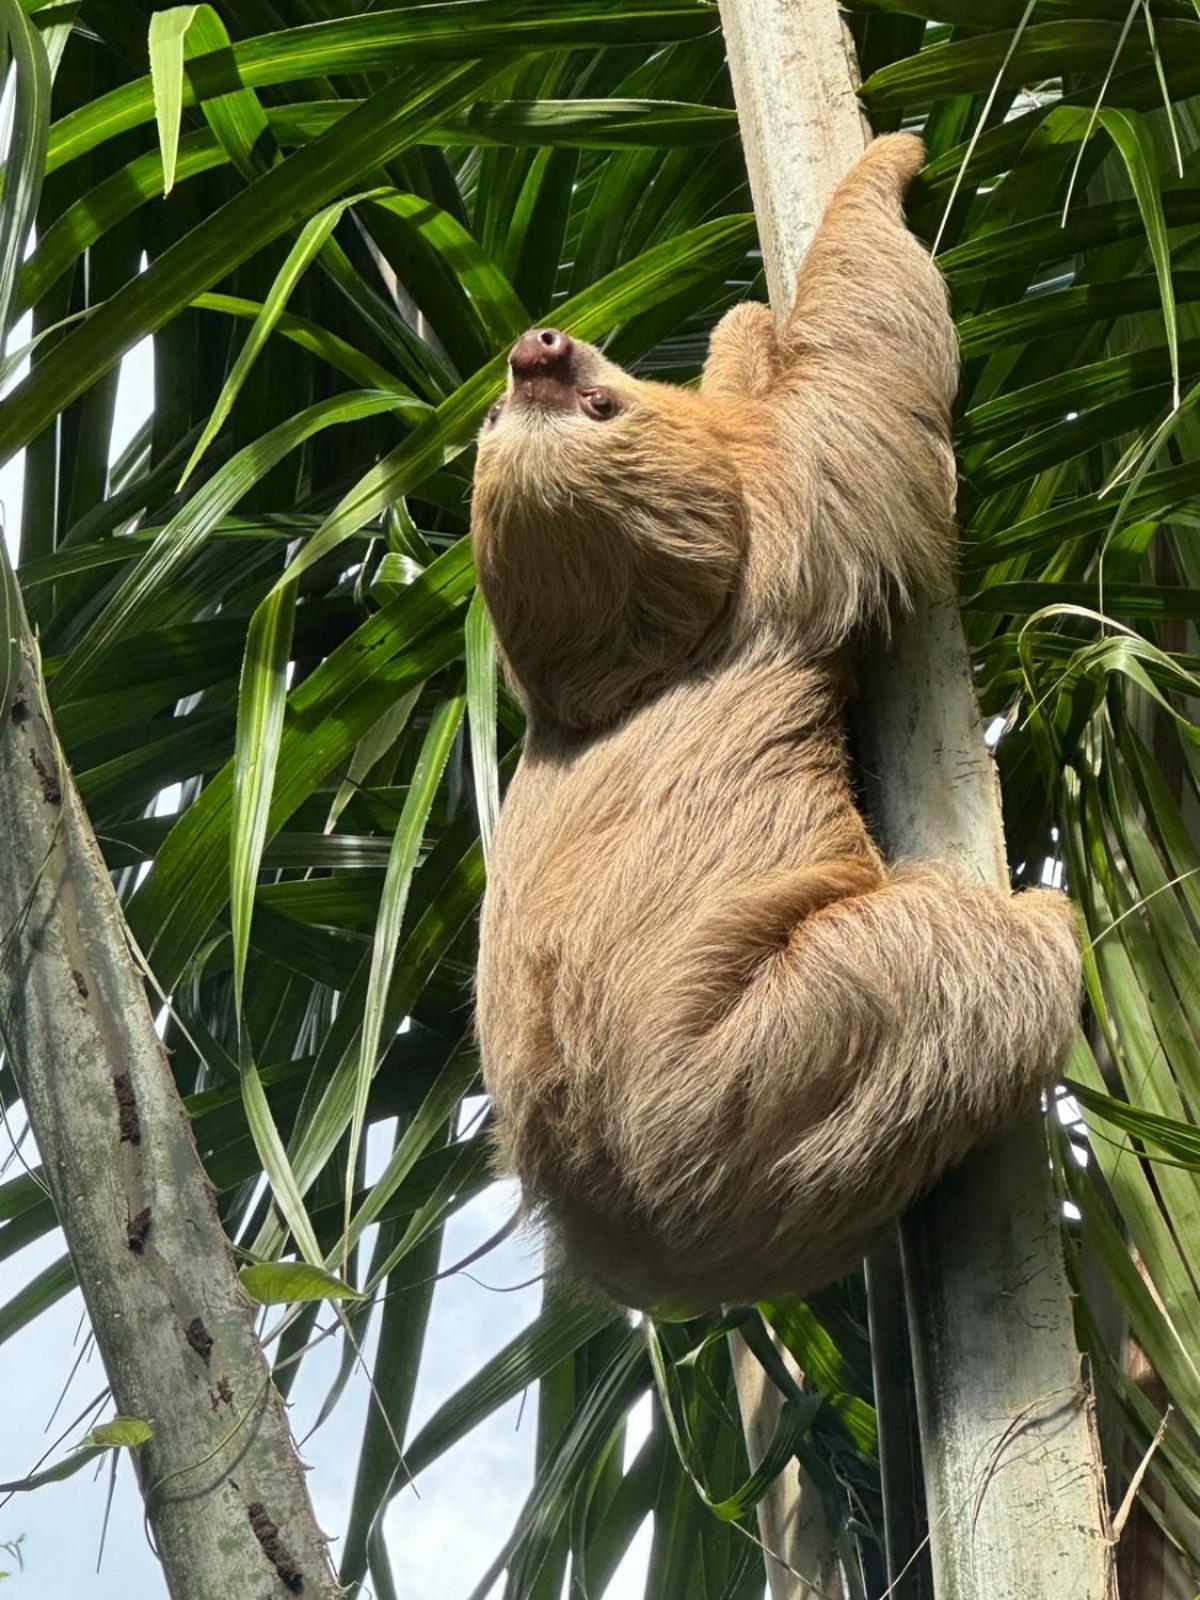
(726, 1044)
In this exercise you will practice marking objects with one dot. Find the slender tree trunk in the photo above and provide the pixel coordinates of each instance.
(1014, 1484)
(224, 1490)
(802, 1563)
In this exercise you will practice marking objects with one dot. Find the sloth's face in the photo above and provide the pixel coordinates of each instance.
(608, 520)
(554, 380)
(575, 435)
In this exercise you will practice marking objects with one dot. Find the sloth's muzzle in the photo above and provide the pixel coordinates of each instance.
(542, 363)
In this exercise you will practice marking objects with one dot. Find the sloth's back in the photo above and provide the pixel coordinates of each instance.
(616, 1070)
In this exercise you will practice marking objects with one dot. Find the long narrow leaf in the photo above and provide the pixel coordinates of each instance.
(410, 830)
(262, 696)
(1133, 139)
(191, 526)
(168, 30)
(306, 248)
(24, 168)
(276, 1166)
(481, 711)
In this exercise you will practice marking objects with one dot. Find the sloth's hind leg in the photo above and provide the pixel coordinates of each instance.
(949, 1004)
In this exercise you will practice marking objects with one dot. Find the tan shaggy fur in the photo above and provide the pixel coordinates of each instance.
(724, 1041)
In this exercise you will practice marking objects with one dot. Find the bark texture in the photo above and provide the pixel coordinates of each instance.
(1014, 1482)
(224, 1488)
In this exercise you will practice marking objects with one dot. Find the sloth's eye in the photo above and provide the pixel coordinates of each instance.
(598, 404)
(493, 416)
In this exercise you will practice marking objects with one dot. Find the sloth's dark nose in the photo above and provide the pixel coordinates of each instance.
(543, 353)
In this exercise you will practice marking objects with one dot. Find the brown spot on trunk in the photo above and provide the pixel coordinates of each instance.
(198, 1336)
(136, 1230)
(51, 792)
(267, 1535)
(80, 983)
(127, 1111)
(223, 1395)
(19, 710)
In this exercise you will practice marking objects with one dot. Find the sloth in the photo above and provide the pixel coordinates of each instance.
(725, 1042)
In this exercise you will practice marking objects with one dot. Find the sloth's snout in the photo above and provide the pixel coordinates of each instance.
(543, 353)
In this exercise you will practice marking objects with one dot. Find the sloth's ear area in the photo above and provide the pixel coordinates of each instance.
(743, 352)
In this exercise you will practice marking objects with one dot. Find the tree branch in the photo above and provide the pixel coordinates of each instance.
(224, 1489)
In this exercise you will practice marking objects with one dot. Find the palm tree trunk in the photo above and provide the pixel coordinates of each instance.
(1014, 1484)
(224, 1490)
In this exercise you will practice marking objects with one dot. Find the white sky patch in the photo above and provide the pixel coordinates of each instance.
(12, 473)
(629, 1580)
(1052, 873)
(637, 1429)
(43, 1354)
(135, 395)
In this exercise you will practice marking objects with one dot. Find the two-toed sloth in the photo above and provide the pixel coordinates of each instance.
(725, 1042)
